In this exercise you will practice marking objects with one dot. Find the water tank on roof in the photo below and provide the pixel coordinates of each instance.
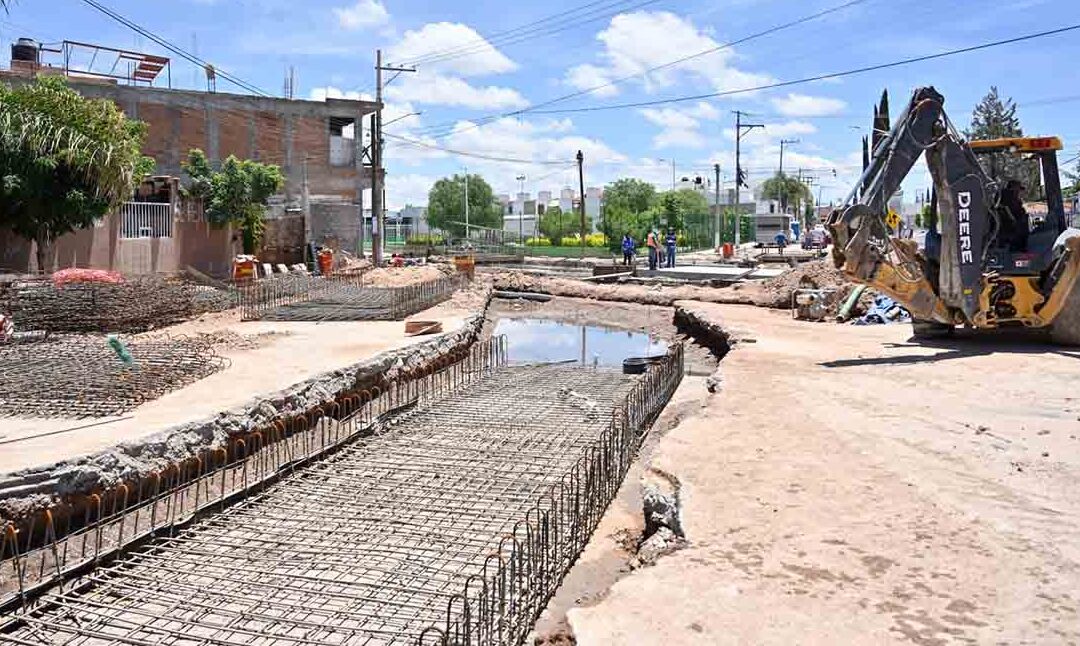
(26, 49)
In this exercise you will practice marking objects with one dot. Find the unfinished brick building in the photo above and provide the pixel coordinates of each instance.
(312, 138)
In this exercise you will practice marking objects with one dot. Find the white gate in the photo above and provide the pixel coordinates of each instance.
(146, 220)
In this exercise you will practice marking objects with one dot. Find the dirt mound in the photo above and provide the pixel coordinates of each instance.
(816, 274)
(404, 276)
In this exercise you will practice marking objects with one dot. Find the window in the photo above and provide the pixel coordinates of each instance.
(342, 141)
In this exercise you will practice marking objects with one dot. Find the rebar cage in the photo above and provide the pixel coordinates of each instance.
(345, 297)
(443, 509)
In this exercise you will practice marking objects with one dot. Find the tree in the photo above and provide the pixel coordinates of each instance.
(674, 208)
(1072, 188)
(630, 195)
(995, 118)
(555, 225)
(65, 160)
(446, 204)
(237, 194)
(786, 189)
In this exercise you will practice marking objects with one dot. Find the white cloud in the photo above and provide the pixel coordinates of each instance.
(452, 91)
(634, 43)
(589, 76)
(362, 14)
(409, 188)
(803, 105)
(405, 120)
(466, 52)
(789, 129)
(680, 126)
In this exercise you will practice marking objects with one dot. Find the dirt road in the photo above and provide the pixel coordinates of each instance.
(848, 487)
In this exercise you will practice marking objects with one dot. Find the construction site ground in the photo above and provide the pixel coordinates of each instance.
(265, 357)
(847, 485)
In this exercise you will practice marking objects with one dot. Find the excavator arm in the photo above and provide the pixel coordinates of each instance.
(865, 248)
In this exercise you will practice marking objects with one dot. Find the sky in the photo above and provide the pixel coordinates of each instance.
(488, 72)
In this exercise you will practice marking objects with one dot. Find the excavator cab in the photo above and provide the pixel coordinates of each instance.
(1029, 207)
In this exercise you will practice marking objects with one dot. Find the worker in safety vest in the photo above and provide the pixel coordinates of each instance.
(650, 242)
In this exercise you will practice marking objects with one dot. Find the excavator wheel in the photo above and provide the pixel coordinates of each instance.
(1065, 330)
(930, 329)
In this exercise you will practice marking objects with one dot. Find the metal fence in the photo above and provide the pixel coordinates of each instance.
(146, 220)
(338, 298)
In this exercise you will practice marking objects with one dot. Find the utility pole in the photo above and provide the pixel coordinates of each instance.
(521, 216)
(740, 176)
(305, 210)
(716, 234)
(784, 142)
(466, 203)
(581, 186)
(378, 182)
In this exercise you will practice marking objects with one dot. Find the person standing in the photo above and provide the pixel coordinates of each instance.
(627, 249)
(669, 242)
(650, 242)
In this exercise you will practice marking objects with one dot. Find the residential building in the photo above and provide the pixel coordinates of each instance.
(312, 141)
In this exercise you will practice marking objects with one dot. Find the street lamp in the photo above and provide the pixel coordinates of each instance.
(404, 116)
(521, 214)
(662, 160)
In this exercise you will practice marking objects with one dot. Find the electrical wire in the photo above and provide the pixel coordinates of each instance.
(739, 41)
(462, 153)
(561, 22)
(819, 77)
(175, 49)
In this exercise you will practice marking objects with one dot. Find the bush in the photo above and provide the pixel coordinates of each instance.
(425, 239)
(592, 240)
(538, 242)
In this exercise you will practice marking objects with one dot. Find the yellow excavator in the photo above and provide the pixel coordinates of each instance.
(991, 264)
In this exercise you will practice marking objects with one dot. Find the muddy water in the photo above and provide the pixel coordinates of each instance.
(540, 340)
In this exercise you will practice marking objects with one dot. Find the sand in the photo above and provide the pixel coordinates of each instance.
(847, 486)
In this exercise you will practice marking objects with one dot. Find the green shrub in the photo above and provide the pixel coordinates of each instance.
(592, 240)
(425, 239)
(538, 242)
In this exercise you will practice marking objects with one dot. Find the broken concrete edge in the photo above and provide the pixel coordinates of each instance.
(662, 492)
(27, 491)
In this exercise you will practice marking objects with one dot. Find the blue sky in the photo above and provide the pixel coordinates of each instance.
(486, 72)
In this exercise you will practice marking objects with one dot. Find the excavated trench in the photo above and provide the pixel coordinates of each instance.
(357, 475)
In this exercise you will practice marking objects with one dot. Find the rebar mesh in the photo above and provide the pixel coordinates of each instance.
(338, 298)
(81, 376)
(491, 491)
(134, 306)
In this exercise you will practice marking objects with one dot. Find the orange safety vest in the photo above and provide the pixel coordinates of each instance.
(651, 241)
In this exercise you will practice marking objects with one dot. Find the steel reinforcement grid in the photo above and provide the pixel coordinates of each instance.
(81, 376)
(137, 305)
(443, 511)
(338, 298)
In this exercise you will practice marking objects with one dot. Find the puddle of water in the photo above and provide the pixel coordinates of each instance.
(539, 340)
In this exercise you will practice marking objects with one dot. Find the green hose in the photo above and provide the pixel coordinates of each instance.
(849, 303)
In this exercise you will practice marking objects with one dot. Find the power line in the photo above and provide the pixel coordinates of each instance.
(498, 34)
(705, 52)
(561, 22)
(173, 48)
(820, 77)
(462, 153)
